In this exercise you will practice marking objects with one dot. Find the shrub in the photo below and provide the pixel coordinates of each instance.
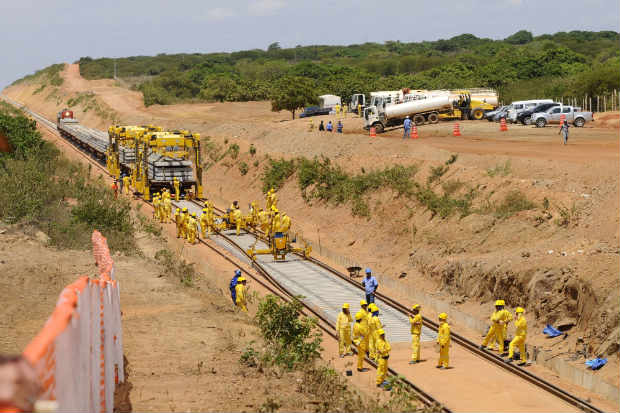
(500, 170)
(276, 172)
(233, 150)
(252, 150)
(514, 202)
(243, 168)
(437, 172)
(177, 267)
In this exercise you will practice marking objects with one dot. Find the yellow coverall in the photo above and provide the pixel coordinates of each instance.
(185, 219)
(337, 109)
(156, 203)
(285, 224)
(416, 330)
(241, 300)
(374, 324)
(191, 230)
(268, 200)
(167, 209)
(126, 184)
(383, 351)
(360, 338)
(204, 223)
(178, 219)
(343, 327)
(497, 331)
(507, 318)
(177, 191)
(238, 219)
(519, 340)
(210, 219)
(263, 218)
(274, 200)
(443, 338)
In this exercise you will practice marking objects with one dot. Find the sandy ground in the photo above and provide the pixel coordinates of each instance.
(400, 236)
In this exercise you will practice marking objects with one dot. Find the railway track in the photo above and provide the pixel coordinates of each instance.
(289, 282)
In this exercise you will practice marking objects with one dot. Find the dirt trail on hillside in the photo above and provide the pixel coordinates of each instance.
(468, 261)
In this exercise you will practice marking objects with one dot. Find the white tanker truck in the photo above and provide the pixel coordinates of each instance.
(384, 114)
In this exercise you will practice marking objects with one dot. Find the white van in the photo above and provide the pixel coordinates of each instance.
(517, 107)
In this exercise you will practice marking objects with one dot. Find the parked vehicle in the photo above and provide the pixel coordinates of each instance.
(496, 114)
(356, 100)
(525, 117)
(554, 114)
(329, 101)
(314, 111)
(383, 114)
(519, 106)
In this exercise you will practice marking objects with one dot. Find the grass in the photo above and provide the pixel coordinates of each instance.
(173, 265)
(50, 74)
(276, 172)
(568, 216)
(437, 172)
(500, 169)
(444, 205)
(515, 201)
(243, 168)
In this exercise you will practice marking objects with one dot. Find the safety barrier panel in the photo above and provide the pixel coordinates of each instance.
(78, 354)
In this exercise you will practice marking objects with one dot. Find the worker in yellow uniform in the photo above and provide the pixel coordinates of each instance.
(496, 332)
(275, 222)
(156, 202)
(416, 330)
(274, 200)
(166, 208)
(519, 340)
(443, 339)
(204, 222)
(126, 180)
(374, 326)
(237, 217)
(364, 311)
(360, 338)
(285, 224)
(359, 110)
(178, 220)
(506, 317)
(343, 329)
(177, 190)
(240, 298)
(211, 218)
(263, 219)
(268, 199)
(383, 351)
(191, 228)
(337, 109)
(184, 219)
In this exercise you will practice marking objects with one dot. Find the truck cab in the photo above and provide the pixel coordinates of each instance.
(356, 100)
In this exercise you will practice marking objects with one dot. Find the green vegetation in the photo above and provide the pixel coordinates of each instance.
(252, 149)
(520, 66)
(292, 93)
(243, 168)
(175, 266)
(42, 189)
(567, 216)
(49, 75)
(275, 173)
(500, 169)
(514, 202)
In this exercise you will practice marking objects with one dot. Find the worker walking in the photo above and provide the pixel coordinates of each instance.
(233, 284)
(126, 181)
(497, 331)
(519, 340)
(416, 330)
(443, 339)
(360, 338)
(407, 128)
(177, 191)
(370, 286)
(564, 131)
(178, 220)
(343, 329)
(383, 352)
(240, 298)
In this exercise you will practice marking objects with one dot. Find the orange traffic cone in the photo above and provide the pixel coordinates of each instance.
(373, 132)
(502, 125)
(457, 130)
(414, 132)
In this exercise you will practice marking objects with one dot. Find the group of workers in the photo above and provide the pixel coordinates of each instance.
(494, 340)
(238, 292)
(329, 127)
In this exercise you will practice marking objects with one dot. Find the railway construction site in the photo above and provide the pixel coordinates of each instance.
(514, 215)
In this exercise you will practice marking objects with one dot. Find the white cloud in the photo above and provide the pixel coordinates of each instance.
(220, 13)
(265, 7)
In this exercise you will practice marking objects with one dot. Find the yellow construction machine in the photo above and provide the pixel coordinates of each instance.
(471, 104)
(278, 242)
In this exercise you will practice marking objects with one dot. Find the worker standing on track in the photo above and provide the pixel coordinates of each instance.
(374, 326)
(506, 318)
(519, 340)
(178, 220)
(285, 224)
(499, 319)
(343, 329)
(268, 199)
(233, 284)
(263, 219)
(364, 311)
(443, 339)
(370, 286)
(177, 191)
(184, 219)
(360, 338)
(191, 229)
(383, 352)
(204, 222)
(416, 330)
(126, 181)
(240, 298)
(238, 218)
(156, 202)
(166, 207)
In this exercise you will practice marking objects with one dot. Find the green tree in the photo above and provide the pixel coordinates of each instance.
(520, 37)
(273, 47)
(292, 93)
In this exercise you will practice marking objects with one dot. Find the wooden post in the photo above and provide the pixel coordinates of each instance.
(598, 101)
(604, 103)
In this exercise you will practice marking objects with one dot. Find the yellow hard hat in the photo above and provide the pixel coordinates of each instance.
(498, 302)
(193, 214)
(363, 302)
(373, 307)
(345, 305)
(184, 209)
(204, 209)
(415, 306)
(519, 310)
(502, 302)
(380, 332)
(443, 316)
(359, 315)
(240, 279)
(178, 209)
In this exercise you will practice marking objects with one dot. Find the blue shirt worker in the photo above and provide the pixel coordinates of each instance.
(339, 127)
(407, 127)
(233, 284)
(330, 126)
(370, 286)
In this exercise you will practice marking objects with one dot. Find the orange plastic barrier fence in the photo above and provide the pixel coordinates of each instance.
(78, 353)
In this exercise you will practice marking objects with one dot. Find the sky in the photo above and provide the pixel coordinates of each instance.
(38, 33)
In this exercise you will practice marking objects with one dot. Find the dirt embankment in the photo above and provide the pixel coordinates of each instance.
(559, 259)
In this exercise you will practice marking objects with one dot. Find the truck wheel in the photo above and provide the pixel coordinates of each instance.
(579, 122)
(433, 117)
(541, 122)
(527, 120)
(378, 127)
(418, 120)
(477, 114)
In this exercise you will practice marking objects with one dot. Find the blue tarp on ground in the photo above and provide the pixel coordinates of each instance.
(596, 363)
(551, 332)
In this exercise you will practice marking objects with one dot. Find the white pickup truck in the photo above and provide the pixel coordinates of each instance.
(573, 115)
